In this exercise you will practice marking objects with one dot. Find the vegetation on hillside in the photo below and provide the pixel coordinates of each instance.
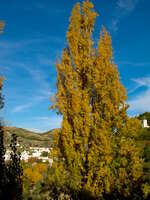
(34, 174)
(143, 141)
(28, 138)
(145, 115)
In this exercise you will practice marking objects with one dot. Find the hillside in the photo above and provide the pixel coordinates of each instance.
(145, 115)
(28, 138)
(144, 142)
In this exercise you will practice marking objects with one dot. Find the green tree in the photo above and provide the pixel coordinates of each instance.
(11, 184)
(94, 153)
(1, 96)
(14, 172)
(2, 148)
(2, 162)
(145, 115)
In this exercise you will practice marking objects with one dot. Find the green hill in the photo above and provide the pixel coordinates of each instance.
(144, 142)
(145, 115)
(28, 138)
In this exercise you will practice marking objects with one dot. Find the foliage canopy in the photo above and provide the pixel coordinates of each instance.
(94, 152)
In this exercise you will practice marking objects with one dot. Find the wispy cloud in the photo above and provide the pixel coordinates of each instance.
(43, 95)
(36, 130)
(33, 101)
(114, 24)
(37, 74)
(9, 47)
(40, 76)
(46, 8)
(123, 8)
(43, 123)
(145, 81)
(52, 122)
(21, 107)
(141, 101)
(127, 5)
(140, 82)
(44, 61)
(133, 63)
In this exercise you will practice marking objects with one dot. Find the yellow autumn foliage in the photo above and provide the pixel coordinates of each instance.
(2, 25)
(95, 149)
(35, 173)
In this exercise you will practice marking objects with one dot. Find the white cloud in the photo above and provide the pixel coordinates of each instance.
(46, 9)
(32, 101)
(44, 85)
(44, 88)
(46, 93)
(141, 101)
(52, 122)
(145, 81)
(42, 124)
(139, 82)
(34, 130)
(128, 5)
(45, 61)
(37, 74)
(133, 63)
(16, 45)
(123, 8)
(114, 24)
(9, 47)
(41, 93)
(21, 107)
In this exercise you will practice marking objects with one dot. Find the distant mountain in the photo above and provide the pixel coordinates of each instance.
(28, 138)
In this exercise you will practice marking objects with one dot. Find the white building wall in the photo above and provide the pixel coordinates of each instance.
(25, 155)
(145, 123)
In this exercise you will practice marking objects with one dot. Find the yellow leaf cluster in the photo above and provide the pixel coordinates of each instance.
(95, 146)
(35, 173)
(2, 25)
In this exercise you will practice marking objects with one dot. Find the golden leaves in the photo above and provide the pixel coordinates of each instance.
(35, 173)
(96, 141)
(2, 25)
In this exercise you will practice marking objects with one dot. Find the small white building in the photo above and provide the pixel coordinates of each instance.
(144, 124)
(35, 152)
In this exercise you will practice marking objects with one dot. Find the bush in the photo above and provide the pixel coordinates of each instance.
(44, 154)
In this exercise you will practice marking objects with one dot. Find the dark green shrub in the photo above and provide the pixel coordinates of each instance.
(44, 154)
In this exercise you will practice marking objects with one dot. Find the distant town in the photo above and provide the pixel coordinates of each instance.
(37, 152)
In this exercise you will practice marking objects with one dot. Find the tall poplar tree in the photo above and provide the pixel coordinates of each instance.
(94, 152)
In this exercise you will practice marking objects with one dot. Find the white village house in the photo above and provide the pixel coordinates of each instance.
(144, 123)
(35, 152)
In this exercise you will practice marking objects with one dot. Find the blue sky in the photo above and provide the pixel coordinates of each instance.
(34, 36)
